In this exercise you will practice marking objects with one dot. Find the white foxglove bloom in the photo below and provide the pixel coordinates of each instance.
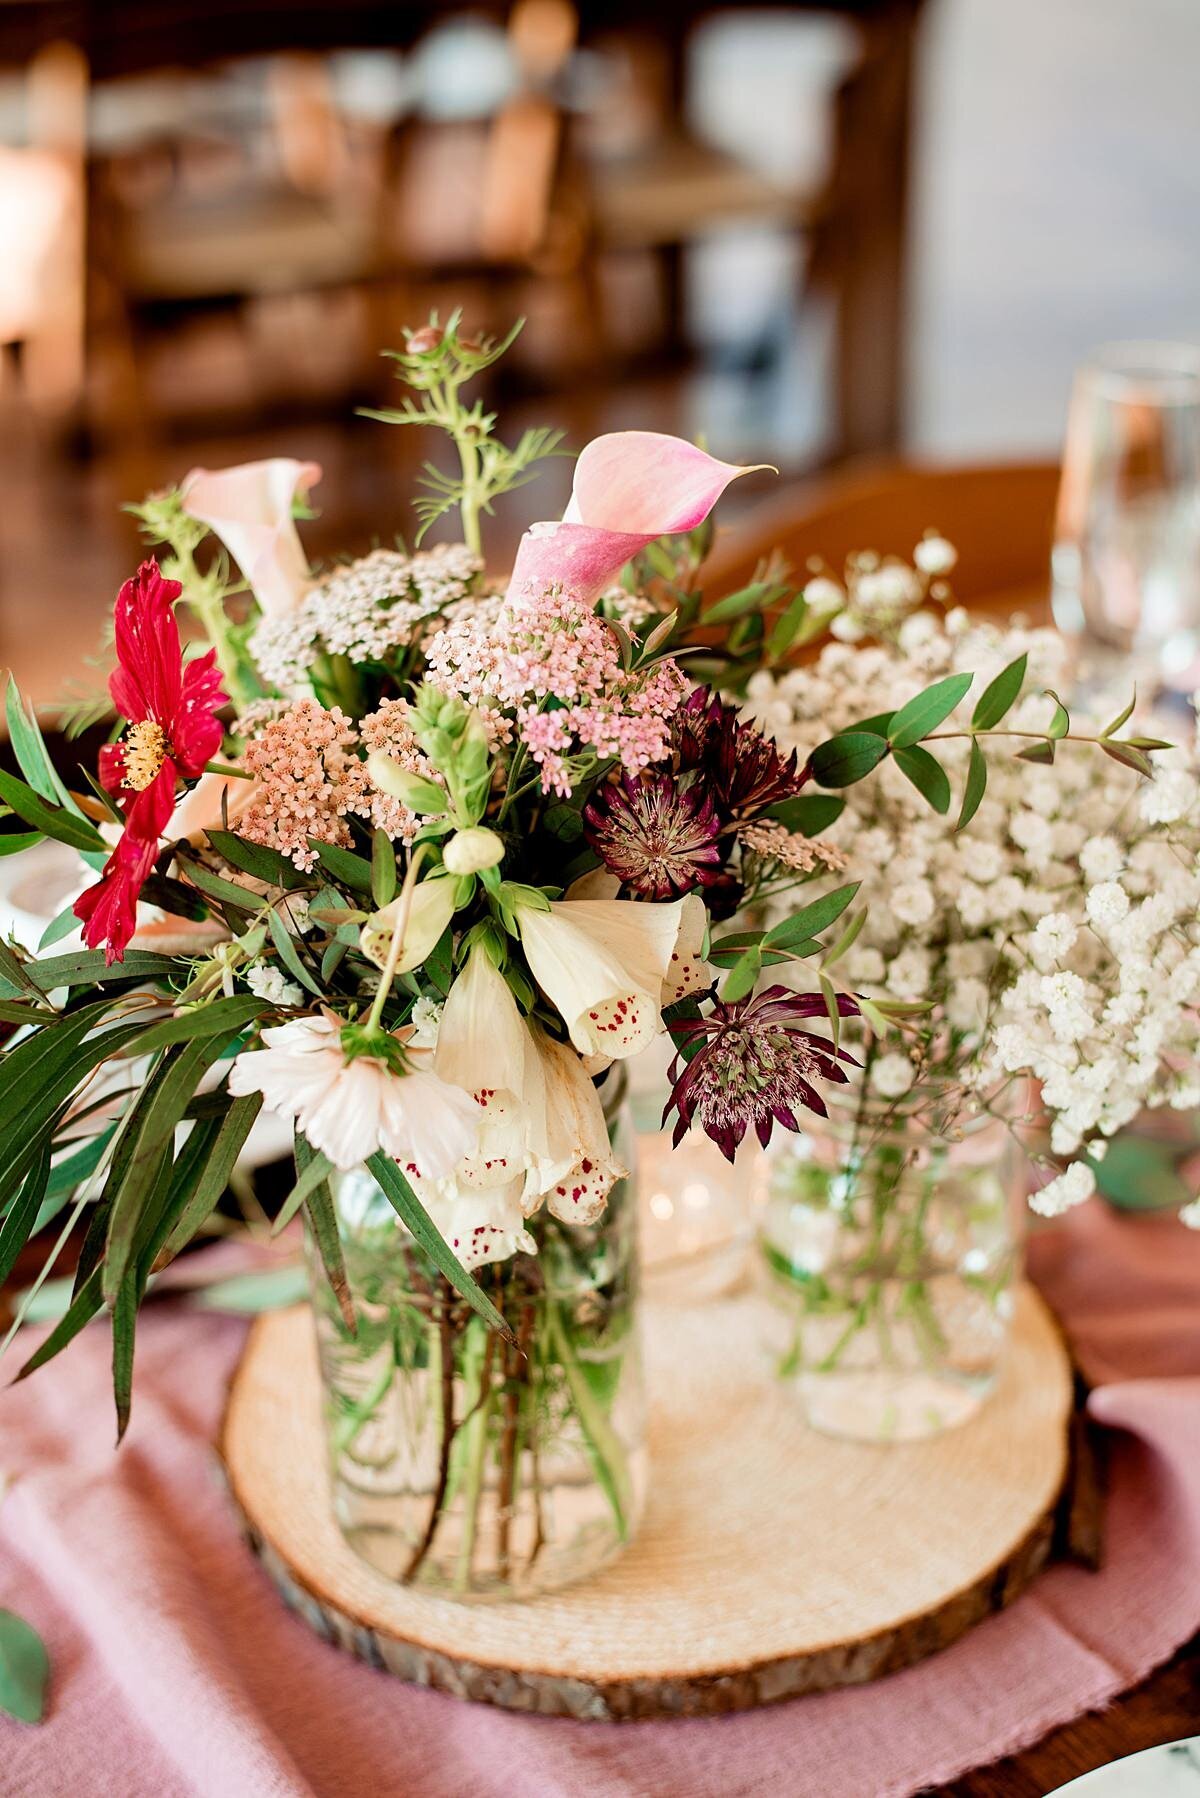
(350, 1108)
(479, 1226)
(250, 509)
(544, 1124)
(573, 1168)
(430, 910)
(609, 966)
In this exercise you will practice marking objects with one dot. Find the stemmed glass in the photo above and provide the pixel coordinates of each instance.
(1127, 536)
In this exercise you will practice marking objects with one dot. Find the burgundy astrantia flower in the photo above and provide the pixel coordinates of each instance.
(172, 732)
(752, 1063)
(659, 840)
(738, 768)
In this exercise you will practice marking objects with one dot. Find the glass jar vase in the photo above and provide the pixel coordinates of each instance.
(465, 1464)
(890, 1251)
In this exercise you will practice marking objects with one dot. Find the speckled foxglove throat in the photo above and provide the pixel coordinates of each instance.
(772, 1561)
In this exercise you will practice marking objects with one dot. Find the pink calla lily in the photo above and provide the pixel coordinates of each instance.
(250, 509)
(629, 487)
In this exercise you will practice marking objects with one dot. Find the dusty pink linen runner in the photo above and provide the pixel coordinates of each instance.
(177, 1671)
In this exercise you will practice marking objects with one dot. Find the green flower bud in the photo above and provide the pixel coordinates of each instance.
(413, 790)
(471, 850)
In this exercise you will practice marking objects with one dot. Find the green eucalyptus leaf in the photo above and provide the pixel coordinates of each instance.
(1130, 757)
(787, 627)
(976, 785)
(926, 710)
(742, 976)
(809, 813)
(1042, 753)
(24, 1669)
(1000, 695)
(1123, 717)
(926, 774)
(844, 760)
(1060, 724)
(811, 920)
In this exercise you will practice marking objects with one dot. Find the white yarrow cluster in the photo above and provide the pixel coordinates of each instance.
(368, 610)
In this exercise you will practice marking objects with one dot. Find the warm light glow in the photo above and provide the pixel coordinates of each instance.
(661, 1206)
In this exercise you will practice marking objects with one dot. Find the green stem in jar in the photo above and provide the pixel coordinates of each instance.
(477, 1372)
(603, 1445)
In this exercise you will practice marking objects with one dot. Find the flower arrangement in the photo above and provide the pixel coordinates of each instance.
(418, 862)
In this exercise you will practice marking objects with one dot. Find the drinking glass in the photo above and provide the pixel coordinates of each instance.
(1126, 559)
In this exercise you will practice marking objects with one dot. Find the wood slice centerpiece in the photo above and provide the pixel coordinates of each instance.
(772, 1561)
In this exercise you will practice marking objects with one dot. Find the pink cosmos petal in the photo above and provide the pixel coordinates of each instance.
(630, 487)
(250, 509)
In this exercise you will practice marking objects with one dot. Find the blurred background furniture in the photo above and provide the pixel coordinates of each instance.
(289, 169)
(999, 516)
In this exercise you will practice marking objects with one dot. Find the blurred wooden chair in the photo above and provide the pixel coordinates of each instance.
(42, 213)
(999, 516)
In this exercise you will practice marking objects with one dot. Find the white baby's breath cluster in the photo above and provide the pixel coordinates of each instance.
(367, 610)
(877, 592)
(1058, 935)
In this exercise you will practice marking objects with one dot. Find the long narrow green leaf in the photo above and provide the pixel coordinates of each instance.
(154, 1120)
(352, 870)
(410, 1210)
(253, 859)
(226, 1145)
(323, 1222)
(32, 1096)
(16, 971)
(85, 967)
(33, 759)
(213, 886)
(383, 869)
(288, 954)
(59, 927)
(315, 1174)
(227, 1017)
(83, 1307)
(66, 1174)
(16, 842)
(18, 1224)
(124, 1328)
(52, 820)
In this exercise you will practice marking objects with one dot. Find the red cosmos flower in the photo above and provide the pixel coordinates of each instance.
(173, 731)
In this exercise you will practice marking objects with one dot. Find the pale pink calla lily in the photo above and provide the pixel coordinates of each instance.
(629, 487)
(250, 509)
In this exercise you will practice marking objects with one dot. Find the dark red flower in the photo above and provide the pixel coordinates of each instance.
(739, 769)
(172, 732)
(752, 1063)
(660, 841)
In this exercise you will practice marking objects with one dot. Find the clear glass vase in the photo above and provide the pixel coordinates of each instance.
(890, 1251)
(464, 1464)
